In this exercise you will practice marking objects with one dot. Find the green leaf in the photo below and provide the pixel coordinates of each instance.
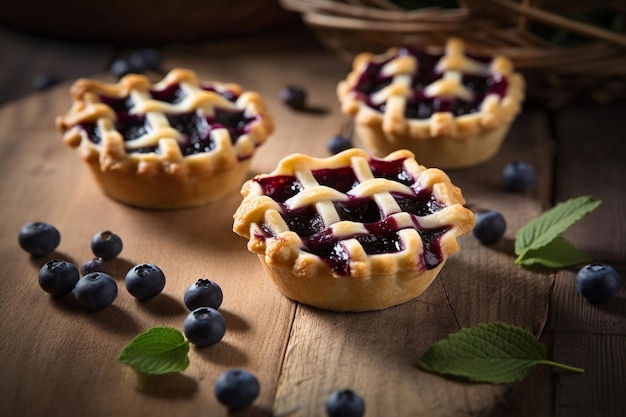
(557, 254)
(160, 350)
(545, 228)
(495, 353)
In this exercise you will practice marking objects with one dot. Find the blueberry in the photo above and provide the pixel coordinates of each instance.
(106, 245)
(236, 389)
(45, 81)
(490, 226)
(293, 96)
(121, 67)
(203, 293)
(338, 144)
(145, 281)
(93, 265)
(598, 282)
(58, 277)
(39, 238)
(518, 176)
(96, 291)
(345, 403)
(142, 60)
(204, 326)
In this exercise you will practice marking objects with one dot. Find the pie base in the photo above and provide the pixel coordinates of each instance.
(164, 191)
(443, 151)
(442, 140)
(360, 281)
(328, 291)
(151, 171)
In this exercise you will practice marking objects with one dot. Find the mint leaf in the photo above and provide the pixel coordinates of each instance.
(160, 350)
(557, 254)
(545, 228)
(495, 353)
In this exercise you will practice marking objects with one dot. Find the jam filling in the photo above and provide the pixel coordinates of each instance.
(419, 105)
(194, 127)
(382, 231)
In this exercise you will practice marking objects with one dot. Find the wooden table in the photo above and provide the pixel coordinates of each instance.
(59, 359)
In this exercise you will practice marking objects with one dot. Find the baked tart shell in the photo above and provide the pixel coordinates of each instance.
(443, 140)
(195, 143)
(370, 280)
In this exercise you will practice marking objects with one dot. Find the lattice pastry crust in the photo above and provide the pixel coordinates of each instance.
(352, 232)
(450, 108)
(173, 144)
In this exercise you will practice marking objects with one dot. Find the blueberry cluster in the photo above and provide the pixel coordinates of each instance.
(203, 326)
(138, 62)
(96, 289)
(293, 96)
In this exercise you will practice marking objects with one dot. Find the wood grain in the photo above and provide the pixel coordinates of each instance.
(60, 359)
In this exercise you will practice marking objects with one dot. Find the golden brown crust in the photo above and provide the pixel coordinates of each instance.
(443, 140)
(167, 178)
(373, 281)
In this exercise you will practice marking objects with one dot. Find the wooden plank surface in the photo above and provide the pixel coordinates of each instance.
(59, 357)
(590, 161)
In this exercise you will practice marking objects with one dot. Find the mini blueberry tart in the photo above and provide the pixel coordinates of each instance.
(449, 108)
(173, 144)
(352, 232)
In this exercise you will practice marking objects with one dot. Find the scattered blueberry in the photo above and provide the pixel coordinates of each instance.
(338, 144)
(106, 245)
(203, 293)
(598, 282)
(518, 176)
(96, 291)
(121, 67)
(58, 277)
(39, 238)
(93, 265)
(204, 326)
(142, 60)
(236, 389)
(45, 81)
(145, 281)
(293, 96)
(490, 226)
(345, 403)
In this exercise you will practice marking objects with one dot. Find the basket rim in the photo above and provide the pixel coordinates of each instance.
(331, 7)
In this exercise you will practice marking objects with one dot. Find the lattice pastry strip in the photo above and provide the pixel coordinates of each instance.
(180, 127)
(266, 217)
(404, 98)
(141, 102)
(351, 232)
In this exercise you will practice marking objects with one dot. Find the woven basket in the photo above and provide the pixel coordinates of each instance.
(488, 27)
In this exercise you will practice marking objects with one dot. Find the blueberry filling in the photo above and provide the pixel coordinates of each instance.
(422, 203)
(227, 94)
(341, 179)
(131, 126)
(119, 105)
(171, 94)
(391, 170)
(195, 130)
(382, 232)
(419, 105)
(194, 127)
(359, 210)
(305, 222)
(280, 188)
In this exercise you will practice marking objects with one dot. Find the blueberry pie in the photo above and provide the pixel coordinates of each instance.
(352, 232)
(172, 144)
(451, 109)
